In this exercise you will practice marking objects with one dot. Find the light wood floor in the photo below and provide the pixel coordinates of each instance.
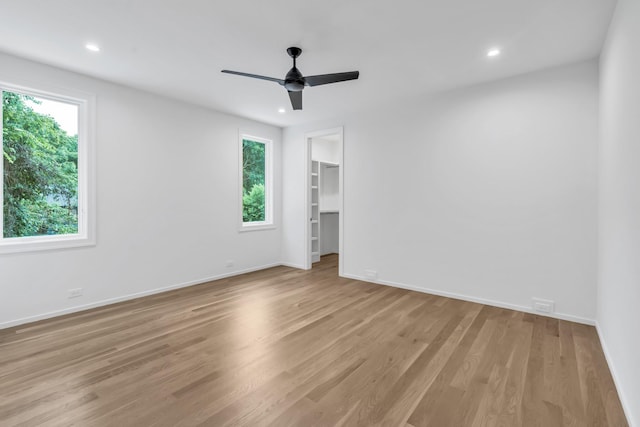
(285, 347)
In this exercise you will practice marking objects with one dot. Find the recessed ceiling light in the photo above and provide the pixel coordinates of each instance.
(281, 110)
(493, 52)
(92, 47)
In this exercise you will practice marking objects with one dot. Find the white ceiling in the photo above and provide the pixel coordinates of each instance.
(403, 49)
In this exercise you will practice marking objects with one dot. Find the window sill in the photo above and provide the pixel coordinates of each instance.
(260, 227)
(26, 244)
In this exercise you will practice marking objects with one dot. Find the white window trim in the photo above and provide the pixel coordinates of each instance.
(268, 223)
(86, 235)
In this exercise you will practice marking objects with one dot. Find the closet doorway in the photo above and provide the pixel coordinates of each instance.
(325, 213)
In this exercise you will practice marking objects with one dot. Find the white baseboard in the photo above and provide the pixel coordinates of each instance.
(500, 304)
(48, 315)
(292, 265)
(616, 377)
(77, 308)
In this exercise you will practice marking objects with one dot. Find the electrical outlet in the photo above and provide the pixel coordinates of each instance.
(229, 263)
(543, 305)
(74, 293)
(371, 274)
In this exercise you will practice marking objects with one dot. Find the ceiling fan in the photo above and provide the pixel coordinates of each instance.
(295, 82)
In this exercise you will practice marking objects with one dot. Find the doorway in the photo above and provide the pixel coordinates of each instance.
(324, 207)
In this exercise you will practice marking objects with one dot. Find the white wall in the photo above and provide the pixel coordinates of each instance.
(488, 192)
(329, 197)
(619, 244)
(325, 150)
(329, 233)
(167, 197)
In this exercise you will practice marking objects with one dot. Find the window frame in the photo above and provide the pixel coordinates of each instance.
(268, 223)
(86, 179)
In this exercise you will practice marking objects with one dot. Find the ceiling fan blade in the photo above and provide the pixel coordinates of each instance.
(323, 79)
(296, 100)
(255, 76)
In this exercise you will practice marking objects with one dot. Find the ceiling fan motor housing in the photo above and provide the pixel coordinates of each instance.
(294, 81)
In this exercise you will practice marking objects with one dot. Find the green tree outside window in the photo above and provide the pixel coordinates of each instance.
(253, 181)
(40, 171)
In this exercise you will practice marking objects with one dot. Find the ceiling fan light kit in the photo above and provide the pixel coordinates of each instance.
(295, 82)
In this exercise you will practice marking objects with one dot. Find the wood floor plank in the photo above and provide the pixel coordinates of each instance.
(286, 347)
(427, 412)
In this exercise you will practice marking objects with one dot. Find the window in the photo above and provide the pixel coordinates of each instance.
(44, 171)
(256, 194)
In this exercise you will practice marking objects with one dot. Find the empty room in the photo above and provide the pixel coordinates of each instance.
(336, 213)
